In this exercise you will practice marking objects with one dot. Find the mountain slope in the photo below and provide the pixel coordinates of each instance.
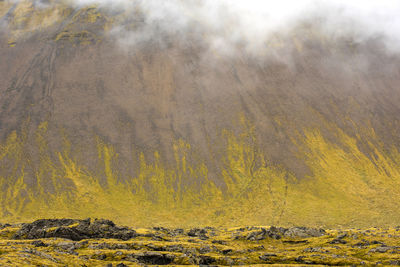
(305, 131)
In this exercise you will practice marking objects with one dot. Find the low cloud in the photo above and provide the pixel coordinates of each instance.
(251, 22)
(228, 24)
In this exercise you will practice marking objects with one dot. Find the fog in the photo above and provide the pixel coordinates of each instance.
(226, 23)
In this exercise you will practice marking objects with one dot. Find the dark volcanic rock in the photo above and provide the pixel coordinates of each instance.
(39, 243)
(154, 258)
(201, 233)
(74, 229)
(341, 236)
(2, 226)
(206, 260)
(257, 235)
(338, 241)
(174, 248)
(263, 233)
(226, 251)
(267, 256)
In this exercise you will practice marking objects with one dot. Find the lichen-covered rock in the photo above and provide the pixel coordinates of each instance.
(263, 233)
(278, 232)
(2, 226)
(303, 232)
(197, 232)
(154, 258)
(74, 229)
(39, 243)
(267, 256)
(384, 249)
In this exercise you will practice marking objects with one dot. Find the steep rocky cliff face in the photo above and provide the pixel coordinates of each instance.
(304, 130)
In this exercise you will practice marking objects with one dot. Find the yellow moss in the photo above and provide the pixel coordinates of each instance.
(27, 18)
(81, 38)
(347, 186)
(4, 7)
(12, 43)
(89, 14)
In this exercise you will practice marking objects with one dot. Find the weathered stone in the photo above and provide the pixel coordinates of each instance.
(201, 233)
(221, 242)
(341, 236)
(304, 232)
(2, 226)
(154, 258)
(316, 249)
(267, 256)
(205, 260)
(226, 251)
(65, 245)
(381, 249)
(39, 243)
(74, 230)
(174, 248)
(204, 249)
(338, 241)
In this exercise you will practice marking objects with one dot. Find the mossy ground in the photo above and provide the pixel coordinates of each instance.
(220, 247)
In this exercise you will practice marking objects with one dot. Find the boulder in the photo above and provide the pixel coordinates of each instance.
(198, 232)
(154, 258)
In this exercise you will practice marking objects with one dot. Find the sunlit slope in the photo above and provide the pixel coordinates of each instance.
(174, 132)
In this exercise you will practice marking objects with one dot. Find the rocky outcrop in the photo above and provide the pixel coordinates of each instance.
(279, 232)
(74, 229)
(303, 232)
(196, 232)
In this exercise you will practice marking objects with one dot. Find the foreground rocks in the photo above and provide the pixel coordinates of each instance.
(66, 242)
(73, 230)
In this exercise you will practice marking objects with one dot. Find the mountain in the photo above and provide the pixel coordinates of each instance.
(169, 130)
